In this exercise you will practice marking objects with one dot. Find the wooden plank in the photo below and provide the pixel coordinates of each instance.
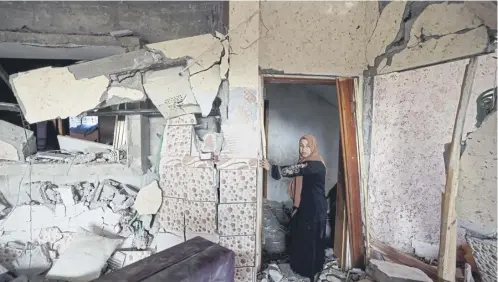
(447, 241)
(345, 96)
(395, 256)
(340, 215)
(267, 122)
(299, 79)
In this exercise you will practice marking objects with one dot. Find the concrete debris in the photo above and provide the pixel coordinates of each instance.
(71, 144)
(142, 239)
(425, 250)
(48, 192)
(331, 272)
(388, 271)
(34, 261)
(90, 251)
(205, 86)
(149, 199)
(121, 259)
(170, 91)
(16, 143)
(77, 158)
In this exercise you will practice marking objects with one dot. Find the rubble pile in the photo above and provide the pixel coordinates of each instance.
(60, 157)
(102, 225)
(282, 272)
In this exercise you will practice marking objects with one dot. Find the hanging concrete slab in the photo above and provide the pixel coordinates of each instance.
(16, 143)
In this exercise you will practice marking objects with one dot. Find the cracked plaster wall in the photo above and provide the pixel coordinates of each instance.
(413, 117)
(350, 38)
(476, 200)
(294, 111)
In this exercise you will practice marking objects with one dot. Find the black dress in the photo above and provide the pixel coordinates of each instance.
(307, 246)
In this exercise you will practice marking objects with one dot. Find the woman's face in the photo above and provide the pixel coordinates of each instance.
(304, 148)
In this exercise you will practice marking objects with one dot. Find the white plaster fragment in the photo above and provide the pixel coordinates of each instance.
(71, 144)
(425, 250)
(89, 251)
(66, 194)
(163, 241)
(204, 50)
(35, 260)
(149, 199)
(13, 143)
(385, 31)
(170, 92)
(205, 86)
(388, 271)
(49, 93)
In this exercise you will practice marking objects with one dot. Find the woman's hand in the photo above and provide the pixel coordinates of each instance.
(264, 164)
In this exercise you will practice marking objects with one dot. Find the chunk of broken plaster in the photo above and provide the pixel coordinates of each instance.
(58, 93)
(392, 272)
(13, 143)
(71, 144)
(35, 260)
(84, 258)
(149, 199)
(170, 92)
(205, 86)
(66, 193)
(163, 241)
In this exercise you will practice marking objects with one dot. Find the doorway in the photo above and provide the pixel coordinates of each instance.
(295, 106)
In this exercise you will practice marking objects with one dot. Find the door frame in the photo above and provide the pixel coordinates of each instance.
(349, 245)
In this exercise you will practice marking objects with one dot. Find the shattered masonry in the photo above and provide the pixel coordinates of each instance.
(190, 87)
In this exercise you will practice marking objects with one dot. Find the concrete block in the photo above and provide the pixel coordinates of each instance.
(172, 181)
(16, 143)
(384, 271)
(236, 219)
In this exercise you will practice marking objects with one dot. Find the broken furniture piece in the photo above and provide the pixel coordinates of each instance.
(201, 257)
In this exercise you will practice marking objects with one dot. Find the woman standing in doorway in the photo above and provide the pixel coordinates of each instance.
(309, 215)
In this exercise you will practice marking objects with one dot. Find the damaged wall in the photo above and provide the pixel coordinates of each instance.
(413, 117)
(296, 110)
(476, 200)
(348, 38)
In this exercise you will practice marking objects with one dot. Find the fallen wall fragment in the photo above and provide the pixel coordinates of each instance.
(16, 143)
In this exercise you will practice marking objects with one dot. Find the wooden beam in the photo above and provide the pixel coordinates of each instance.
(447, 244)
(267, 122)
(340, 229)
(345, 96)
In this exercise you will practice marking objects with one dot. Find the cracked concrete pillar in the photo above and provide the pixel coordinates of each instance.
(138, 143)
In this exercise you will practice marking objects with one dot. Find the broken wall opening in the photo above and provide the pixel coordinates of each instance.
(295, 109)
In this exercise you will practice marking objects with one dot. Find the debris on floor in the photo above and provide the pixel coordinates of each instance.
(388, 271)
